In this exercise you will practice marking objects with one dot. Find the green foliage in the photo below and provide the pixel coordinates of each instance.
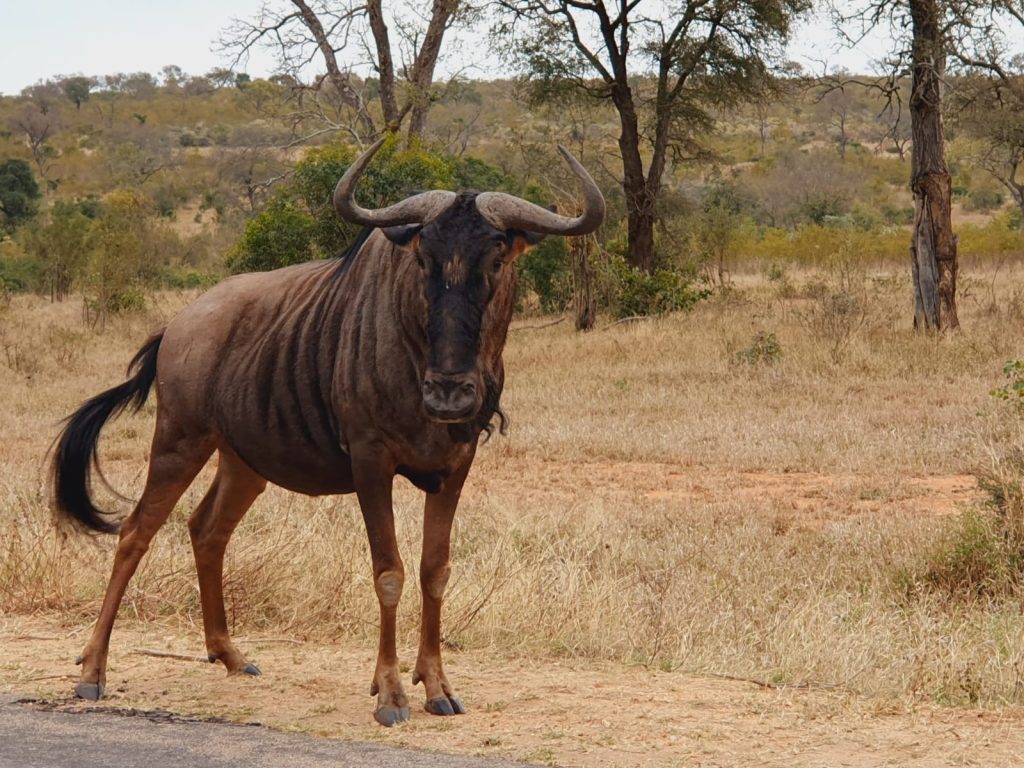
(1013, 391)
(278, 236)
(764, 349)
(77, 89)
(124, 254)
(641, 294)
(19, 273)
(60, 245)
(300, 223)
(973, 559)
(19, 193)
(544, 271)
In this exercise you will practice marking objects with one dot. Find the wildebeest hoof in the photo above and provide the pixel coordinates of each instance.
(90, 691)
(389, 715)
(252, 669)
(445, 707)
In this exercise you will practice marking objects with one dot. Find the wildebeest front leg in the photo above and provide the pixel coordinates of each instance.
(373, 488)
(438, 515)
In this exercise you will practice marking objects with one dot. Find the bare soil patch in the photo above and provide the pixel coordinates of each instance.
(568, 713)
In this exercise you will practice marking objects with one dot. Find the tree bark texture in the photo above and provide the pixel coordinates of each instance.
(583, 282)
(933, 246)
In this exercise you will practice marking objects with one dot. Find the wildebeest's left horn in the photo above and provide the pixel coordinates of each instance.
(510, 212)
(419, 209)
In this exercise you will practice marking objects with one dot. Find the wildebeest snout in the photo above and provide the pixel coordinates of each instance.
(451, 396)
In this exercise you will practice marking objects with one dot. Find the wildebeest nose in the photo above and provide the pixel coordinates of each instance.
(449, 396)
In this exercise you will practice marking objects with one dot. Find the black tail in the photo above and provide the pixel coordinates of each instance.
(77, 445)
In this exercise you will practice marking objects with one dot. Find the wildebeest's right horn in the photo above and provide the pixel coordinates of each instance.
(510, 212)
(420, 208)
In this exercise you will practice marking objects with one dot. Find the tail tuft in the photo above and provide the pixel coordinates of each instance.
(77, 446)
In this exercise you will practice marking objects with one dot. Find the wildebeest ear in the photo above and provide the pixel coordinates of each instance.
(402, 235)
(522, 241)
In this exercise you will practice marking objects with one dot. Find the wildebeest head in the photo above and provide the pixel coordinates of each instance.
(465, 244)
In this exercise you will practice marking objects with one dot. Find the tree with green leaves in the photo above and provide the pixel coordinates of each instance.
(77, 89)
(19, 193)
(60, 245)
(664, 67)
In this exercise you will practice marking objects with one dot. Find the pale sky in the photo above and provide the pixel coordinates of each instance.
(44, 38)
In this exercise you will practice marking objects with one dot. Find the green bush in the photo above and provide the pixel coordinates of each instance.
(20, 273)
(299, 222)
(279, 236)
(544, 271)
(641, 294)
(764, 349)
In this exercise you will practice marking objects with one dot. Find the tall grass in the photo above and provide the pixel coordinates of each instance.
(628, 516)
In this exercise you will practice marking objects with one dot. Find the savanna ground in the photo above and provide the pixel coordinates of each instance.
(715, 538)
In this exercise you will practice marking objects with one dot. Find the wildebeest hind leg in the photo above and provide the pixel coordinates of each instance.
(438, 514)
(174, 463)
(233, 491)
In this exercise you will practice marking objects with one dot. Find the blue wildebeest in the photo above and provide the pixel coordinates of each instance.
(325, 378)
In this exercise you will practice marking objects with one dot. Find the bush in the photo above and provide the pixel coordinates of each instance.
(982, 553)
(658, 293)
(278, 236)
(764, 349)
(544, 271)
(299, 223)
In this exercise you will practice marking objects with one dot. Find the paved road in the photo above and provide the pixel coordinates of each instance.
(37, 736)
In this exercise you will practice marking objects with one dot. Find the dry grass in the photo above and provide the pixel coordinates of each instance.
(628, 516)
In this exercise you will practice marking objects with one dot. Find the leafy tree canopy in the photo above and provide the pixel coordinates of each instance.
(18, 193)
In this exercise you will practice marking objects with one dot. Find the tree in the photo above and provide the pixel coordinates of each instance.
(335, 32)
(37, 128)
(663, 70)
(77, 89)
(933, 38)
(60, 246)
(18, 193)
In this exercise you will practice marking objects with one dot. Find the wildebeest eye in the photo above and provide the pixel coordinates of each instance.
(497, 265)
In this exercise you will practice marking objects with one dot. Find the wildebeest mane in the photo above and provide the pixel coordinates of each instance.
(346, 257)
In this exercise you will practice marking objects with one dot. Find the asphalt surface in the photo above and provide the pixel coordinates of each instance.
(44, 735)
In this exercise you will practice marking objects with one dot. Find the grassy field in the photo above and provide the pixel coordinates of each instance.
(760, 488)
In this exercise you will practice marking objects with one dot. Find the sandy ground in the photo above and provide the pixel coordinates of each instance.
(575, 713)
(549, 711)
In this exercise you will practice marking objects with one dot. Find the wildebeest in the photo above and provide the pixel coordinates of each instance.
(327, 377)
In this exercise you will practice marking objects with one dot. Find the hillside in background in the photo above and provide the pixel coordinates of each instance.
(791, 181)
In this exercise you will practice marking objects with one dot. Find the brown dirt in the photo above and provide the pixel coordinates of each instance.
(551, 711)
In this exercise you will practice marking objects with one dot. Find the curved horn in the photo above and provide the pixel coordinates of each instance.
(419, 208)
(510, 212)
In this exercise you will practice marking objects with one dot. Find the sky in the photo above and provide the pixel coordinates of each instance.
(43, 38)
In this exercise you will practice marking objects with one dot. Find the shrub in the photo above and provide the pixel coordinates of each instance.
(764, 349)
(299, 222)
(544, 270)
(657, 293)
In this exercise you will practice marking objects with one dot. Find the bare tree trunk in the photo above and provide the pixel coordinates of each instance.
(583, 282)
(933, 247)
(340, 80)
(422, 76)
(639, 201)
(385, 65)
